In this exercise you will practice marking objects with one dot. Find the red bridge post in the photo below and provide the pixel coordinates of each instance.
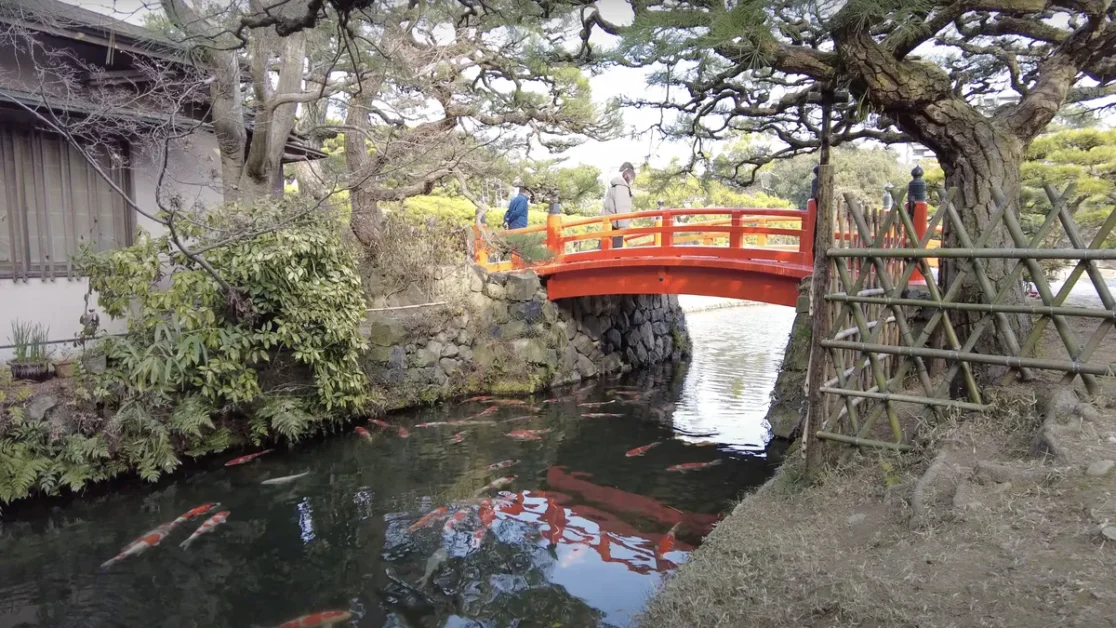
(806, 240)
(668, 233)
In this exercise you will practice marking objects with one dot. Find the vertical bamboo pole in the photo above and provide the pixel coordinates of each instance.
(819, 330)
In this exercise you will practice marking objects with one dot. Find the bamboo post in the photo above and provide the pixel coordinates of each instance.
(819, 284)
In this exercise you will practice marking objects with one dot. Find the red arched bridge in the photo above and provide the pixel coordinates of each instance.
(741, 253)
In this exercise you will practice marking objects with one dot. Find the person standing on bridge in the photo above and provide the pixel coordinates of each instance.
(618, 200)
(516, 216)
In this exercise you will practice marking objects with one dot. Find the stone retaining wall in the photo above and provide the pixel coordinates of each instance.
(498, 333)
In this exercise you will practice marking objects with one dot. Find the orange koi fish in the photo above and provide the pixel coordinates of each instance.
(487, 411)
(595, 404)
(639, 451)
(363, 433)
(428, 518)
(208, 526)
(503, 464)
(457, 518)
(600, 415)
(497, 483)
(140, 545)
(248, 458)
(667, 542)
(527, 434)
(477, 398)
(459, 437)
(324, 618)
(691, 466)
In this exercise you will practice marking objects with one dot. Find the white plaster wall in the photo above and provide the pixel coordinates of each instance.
(193, 174)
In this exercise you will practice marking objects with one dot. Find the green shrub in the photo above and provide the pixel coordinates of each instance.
(186, 376)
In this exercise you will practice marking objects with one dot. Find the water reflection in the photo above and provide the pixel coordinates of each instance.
(573, 540)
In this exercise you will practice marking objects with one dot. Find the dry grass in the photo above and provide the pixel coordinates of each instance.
(1011, 539)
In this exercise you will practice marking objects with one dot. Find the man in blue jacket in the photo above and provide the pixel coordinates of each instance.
(516, 216)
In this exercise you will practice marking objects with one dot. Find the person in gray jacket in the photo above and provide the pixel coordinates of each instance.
(618, 200)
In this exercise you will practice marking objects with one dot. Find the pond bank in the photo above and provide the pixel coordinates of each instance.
(978, 527)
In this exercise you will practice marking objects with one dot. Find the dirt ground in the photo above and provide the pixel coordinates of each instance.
(1000, 519)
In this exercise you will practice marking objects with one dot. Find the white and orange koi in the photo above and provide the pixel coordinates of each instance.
(503, 464)
(667, 542)
(457, 518)
(527, 434)
(428, 518)
(595, 404)
(141, 545)
(208, 526)
(497, 483)
(639, 451)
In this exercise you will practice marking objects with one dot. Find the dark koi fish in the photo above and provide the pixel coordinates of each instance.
(692, 466)
(503, 464)
(639, 451)
(324, 618)
(667, 542)
(248, 458)
(428, 518)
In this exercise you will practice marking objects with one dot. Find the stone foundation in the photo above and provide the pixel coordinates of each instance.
(498, 333)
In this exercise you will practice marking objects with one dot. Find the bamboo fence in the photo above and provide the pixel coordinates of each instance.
(875, 360)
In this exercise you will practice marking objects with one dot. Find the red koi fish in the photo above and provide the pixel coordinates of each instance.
(403, 433)
(527, 434)
(639, 451)
(487, 512)
(595, 404)
(248, 458)
(497, 483)
(459, 437)
(477, 539)
(383, 424)
(324, 618)
(140, 545)
(691, 466)
(208, 526)
(487, 411)
(503, 464)
(363, 433)
(667, 542)
(457, 518)
(477, 398)
(600, 415)
(428, 518)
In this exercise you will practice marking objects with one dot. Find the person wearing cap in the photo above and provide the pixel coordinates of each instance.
(516, 216)
(618, 200)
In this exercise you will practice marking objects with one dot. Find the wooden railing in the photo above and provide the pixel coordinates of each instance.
(732, 234)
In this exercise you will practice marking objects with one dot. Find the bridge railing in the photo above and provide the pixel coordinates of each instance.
(782, 236)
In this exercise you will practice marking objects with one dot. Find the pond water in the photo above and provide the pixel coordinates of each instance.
(578, 535)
